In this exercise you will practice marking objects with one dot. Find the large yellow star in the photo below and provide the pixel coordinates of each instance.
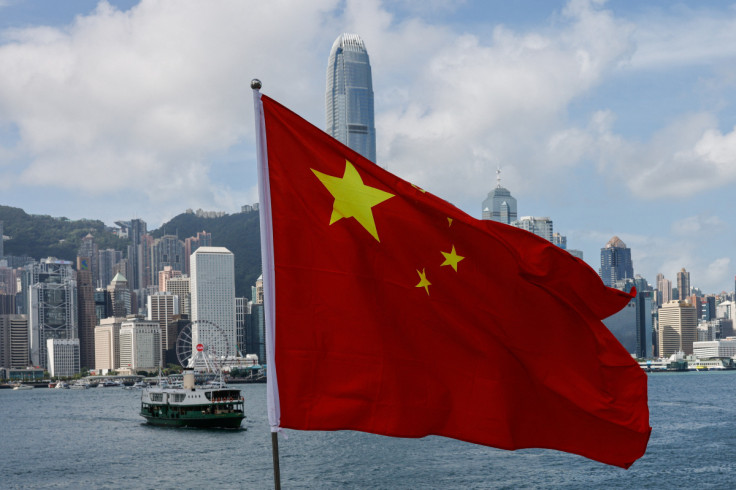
(423, 282)
(353, 199)
(452, 258)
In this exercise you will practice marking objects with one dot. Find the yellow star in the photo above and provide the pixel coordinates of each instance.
(353, 199)
(419, 188)
(452, 258)
(423, 282)
(449, 220)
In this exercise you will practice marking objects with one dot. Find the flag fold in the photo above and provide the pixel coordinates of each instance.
(395, 313)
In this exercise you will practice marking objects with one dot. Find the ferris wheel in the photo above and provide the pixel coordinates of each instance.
(211, 341)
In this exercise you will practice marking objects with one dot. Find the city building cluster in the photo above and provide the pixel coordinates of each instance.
(115, 312)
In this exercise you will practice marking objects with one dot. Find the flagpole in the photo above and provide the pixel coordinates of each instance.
(269, 299)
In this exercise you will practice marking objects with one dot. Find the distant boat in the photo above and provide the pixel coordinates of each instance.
(21, 386)
(61, 385)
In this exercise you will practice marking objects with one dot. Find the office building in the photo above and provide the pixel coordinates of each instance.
(615, 262)
(107, 260)
(622, 325)
(121, 300)
(63, 357)
(180, 287)
(87, 317)
(714, 348)
(88, 249)
(107, 345)
(541, 226)
(683, 284)
(52, 305)
(242, 310)
(2, 252)
(499, 205)
(191, 244)
(14, 346)
(664, 290)
(349, 96)
(167, 273)
(135, 230)
(167, 251)
(162, 308)
(140, 346)
(213, 299)
(678, 325)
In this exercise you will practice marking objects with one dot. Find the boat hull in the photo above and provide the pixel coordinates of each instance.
(219, 421)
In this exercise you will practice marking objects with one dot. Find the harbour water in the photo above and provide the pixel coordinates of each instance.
(96, 439)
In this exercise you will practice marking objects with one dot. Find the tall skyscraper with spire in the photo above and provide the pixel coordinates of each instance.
(500, 205)
(349, 96)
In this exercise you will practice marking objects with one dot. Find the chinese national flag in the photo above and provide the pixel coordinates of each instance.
(393, 312)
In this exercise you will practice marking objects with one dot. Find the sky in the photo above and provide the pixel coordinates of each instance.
(611, 118)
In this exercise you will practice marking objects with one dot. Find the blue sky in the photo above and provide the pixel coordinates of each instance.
(612, 118)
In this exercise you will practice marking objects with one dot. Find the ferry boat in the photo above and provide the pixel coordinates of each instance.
(190, 405)
(21, 386)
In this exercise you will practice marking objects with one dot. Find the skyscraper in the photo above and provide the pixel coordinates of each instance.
(1, 239)
(349, 96)
(678, 326)
(499, 205)
(615, 262)
(683, 284)
(87, 317)
(166, 251)
(539, 226)
(52, 305)
(213, 299)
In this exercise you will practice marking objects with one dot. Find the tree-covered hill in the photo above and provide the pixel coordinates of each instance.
(45, 236)
(41, 236)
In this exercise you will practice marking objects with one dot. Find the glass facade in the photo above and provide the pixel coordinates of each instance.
(349, 97)
(615, 262)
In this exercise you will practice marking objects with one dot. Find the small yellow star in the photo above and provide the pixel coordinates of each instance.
(449, 220)
(353, 199)
(423, 282)
(419, 188)
(452, 258)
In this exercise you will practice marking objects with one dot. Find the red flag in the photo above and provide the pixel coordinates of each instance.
(395, 313)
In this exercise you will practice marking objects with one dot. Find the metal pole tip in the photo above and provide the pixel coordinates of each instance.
(255, 84)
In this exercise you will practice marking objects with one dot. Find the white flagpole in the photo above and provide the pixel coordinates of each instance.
(269, 290)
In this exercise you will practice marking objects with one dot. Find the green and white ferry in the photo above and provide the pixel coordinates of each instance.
(210, 405)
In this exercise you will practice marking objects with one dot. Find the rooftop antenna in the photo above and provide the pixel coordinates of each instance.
(498, 177)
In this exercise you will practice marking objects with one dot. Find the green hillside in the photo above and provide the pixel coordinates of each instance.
(41, 236)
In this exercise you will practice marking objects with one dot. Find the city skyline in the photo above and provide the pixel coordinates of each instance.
(611, 118)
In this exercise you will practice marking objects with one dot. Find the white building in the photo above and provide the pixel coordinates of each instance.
(107, 344)
(539, 226)
(62, 356)
(714, 348)
(180, 287)
(140, 346)
(213, 300)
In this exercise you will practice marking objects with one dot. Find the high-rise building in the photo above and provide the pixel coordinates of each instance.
(106, 261)
(180, 287)
(52, 305)
(63, 357)
(2, 253)
(140, 345)
(107, 345)
(87, 317)
(683, 284)
(202, 239)
(213, 299)
(539, 226)
(134, 230)
(162, 307)
(88, 249)
(256, 323)
(166, 274)
(120, 297)
(167, 251)
(664, 290)
(349, 96)
(678, 324)
(242, 310)
(499, 205)
(615, 262)
(14, 345)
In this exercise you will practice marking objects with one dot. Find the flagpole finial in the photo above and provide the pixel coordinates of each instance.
(255, 84)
